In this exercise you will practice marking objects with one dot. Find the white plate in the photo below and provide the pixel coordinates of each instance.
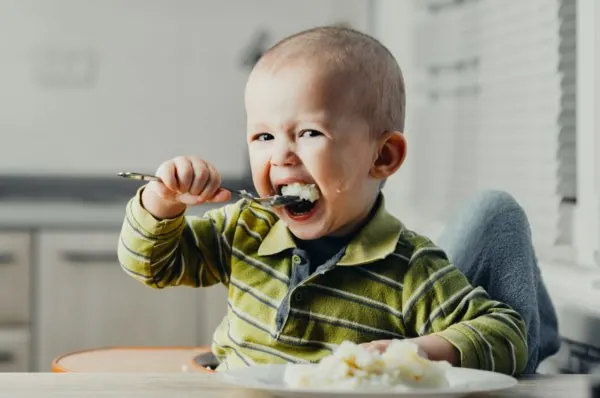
(269, 378)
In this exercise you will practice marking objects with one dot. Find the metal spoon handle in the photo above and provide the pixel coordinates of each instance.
(138, 176)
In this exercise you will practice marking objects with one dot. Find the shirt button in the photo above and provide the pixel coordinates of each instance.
(296, 259)
(298, 296)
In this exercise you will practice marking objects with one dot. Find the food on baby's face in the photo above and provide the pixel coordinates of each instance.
(353, 366)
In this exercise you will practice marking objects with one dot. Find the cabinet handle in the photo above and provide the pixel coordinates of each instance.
(7, 258)
(81, 258)
(6, 356)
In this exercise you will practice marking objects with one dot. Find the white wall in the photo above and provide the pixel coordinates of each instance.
(117, 85)
(394, 22)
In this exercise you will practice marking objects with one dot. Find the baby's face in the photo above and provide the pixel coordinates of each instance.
(300, 128)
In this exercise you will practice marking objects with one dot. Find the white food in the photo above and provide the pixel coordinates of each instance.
(352, 366)
(305, 191)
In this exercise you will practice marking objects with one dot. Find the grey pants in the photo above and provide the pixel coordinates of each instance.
(490, 242)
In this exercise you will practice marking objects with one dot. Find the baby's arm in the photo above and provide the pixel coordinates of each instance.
(160, 247)
(189, 251)
(440, 303)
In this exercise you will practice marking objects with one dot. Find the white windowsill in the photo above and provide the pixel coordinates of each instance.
(572, 286)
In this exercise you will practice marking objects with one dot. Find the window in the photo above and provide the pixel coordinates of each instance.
(493, 103)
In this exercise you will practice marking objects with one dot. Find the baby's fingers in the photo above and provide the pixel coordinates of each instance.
(168, 186)
(184, 173)
(222, 195)
(377, 345)
(202, 177)
(212, 183)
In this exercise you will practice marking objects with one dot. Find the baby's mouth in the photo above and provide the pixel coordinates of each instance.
(309, 194)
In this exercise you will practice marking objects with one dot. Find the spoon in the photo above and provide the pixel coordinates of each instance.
(269, 201)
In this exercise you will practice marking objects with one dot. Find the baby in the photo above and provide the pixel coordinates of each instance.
(325, 107)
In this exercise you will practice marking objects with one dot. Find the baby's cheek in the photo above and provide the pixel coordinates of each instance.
(260, 175)
(337, 169)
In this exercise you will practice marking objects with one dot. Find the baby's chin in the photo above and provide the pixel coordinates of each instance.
(312, 232)
(305, 232)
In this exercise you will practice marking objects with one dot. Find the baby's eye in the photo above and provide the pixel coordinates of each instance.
(310, 133)
(263, 137)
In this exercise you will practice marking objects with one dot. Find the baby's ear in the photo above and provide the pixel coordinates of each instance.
(391, 152)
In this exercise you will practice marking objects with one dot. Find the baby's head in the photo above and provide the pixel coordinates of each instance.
(326, 107)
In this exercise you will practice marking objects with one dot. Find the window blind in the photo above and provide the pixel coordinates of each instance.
(495, 106)
(567, 153)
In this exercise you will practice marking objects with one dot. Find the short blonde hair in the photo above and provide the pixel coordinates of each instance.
(377, 81)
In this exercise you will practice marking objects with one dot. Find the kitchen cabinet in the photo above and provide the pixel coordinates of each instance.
(15, 265)
(15, 293)
(14, 349)
(85, 300)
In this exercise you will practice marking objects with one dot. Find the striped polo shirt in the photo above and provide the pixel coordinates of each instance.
(387, 283)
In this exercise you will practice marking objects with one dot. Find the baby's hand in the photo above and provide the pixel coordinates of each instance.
(381, 346)
(184, 181)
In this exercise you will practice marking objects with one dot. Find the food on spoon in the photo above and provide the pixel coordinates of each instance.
(352, 366)
(304, 191)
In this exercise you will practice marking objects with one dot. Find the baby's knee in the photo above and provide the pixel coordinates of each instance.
(499, 205)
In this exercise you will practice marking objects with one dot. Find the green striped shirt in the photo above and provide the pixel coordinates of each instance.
(389, 283)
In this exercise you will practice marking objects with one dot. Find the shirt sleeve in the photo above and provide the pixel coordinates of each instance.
(181, 251)
(438, 299)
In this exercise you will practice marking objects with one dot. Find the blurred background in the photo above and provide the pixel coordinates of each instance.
(502, 94)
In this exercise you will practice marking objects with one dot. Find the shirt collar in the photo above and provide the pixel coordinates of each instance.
(375, 241)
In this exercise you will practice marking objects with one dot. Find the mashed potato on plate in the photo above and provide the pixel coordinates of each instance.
(352, 366)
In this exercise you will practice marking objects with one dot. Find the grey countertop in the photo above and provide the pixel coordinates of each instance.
(68, 215)
(29, 214)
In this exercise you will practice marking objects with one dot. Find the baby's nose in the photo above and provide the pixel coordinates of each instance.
(284, 156)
